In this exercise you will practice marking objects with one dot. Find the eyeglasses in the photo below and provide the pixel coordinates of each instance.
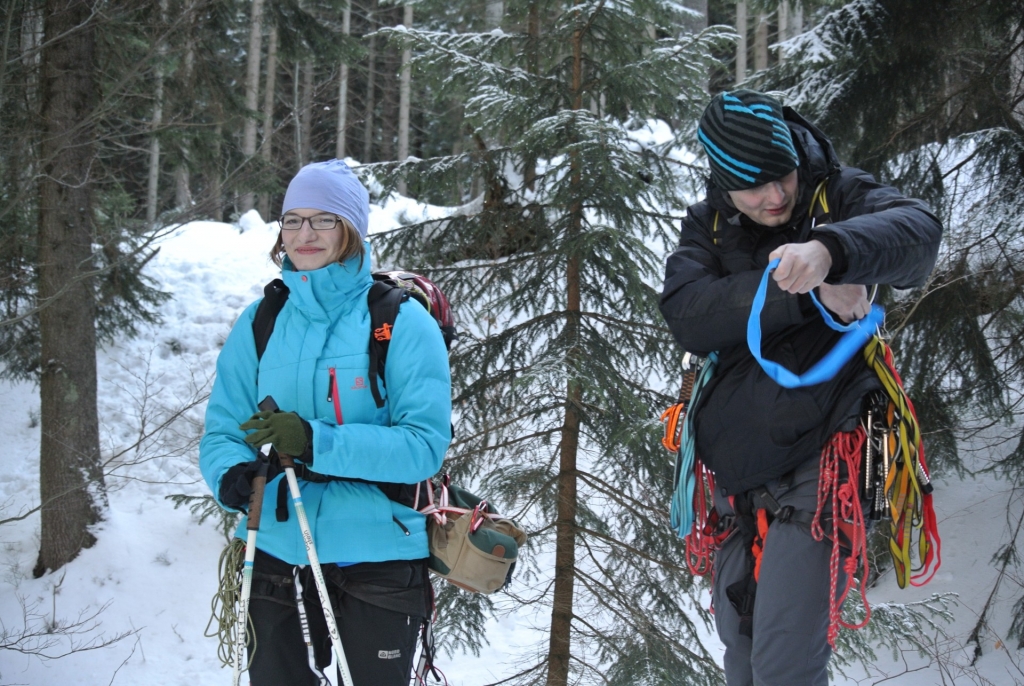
(320, 222)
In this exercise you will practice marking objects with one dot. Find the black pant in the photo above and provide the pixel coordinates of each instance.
(379, 608)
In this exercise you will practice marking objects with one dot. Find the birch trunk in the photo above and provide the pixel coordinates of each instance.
(153, 186)
(404, 101)
(267, 146)
(182, 175)
(783, 27)
(252, 89)
(1017, 76)
(761, 42)
(341, 131)
(741, 43)
(371, 72)
(307, 113)
(494, 12)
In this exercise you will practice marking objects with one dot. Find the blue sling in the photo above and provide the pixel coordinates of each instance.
(856, 335)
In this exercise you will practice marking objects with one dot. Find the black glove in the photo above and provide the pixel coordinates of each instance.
(289, 433)
(236, 486)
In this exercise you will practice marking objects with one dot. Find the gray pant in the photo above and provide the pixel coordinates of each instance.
(789, 646)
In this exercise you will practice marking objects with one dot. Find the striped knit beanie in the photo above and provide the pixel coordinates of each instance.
(747, 142)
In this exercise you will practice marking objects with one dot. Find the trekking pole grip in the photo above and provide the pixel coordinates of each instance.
(259, 485)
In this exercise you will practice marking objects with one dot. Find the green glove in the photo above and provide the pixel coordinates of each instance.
(289, 433)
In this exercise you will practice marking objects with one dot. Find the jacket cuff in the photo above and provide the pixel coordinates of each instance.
(835, 251)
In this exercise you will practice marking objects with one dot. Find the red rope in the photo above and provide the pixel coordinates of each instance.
(702, 541)
(845, 448)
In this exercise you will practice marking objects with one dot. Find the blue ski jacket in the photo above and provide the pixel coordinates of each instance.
(316, 364)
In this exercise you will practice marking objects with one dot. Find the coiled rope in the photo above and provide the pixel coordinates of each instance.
(223, 623)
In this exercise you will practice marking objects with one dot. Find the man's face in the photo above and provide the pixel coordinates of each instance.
(771, 204)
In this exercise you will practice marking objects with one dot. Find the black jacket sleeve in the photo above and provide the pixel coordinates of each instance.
(706, 309)
(886, 237)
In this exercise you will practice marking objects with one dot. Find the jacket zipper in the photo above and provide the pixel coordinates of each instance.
(332, 396)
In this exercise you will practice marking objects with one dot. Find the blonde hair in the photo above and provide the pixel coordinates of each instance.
(352, 245)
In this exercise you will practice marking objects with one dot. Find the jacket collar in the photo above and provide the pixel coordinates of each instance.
(326, 291)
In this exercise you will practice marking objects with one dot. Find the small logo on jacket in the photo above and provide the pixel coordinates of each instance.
(389, 654)
(360, 384)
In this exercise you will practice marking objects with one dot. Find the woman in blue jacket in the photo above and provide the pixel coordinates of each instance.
(315, 367)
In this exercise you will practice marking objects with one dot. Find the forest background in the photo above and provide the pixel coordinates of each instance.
(518, 122)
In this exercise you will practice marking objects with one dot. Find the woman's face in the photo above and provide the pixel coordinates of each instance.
(309, 249)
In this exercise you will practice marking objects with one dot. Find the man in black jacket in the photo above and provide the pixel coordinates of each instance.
(777, 190)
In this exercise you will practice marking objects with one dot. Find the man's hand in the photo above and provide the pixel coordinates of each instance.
(802, 266)
(289, 433)
(849, 300)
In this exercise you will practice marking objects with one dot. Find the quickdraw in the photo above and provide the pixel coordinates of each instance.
(905, 492)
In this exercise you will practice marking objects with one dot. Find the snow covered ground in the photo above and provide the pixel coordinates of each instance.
(133, 609)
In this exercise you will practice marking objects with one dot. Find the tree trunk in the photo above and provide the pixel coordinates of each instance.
(8, 19)
(741, 43)
(216, 179)
(72, 489)
(533, 39)
(297, 114)
(761, 42)
(796, 18)
(307, 113)
(699, 21)
(182, 175)
(1017, 76)
(559, 646)
(783, 27)
(252, 89)
(153, 186)
(342, 129)
(267, 147)
(388, 80)
(404, 101)
(371, 73)
(494, 12)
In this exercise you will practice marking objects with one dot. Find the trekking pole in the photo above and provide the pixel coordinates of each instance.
(259, 484)
(314, 562)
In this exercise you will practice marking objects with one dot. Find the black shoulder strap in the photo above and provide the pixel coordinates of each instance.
(383, 301)
(275, 294)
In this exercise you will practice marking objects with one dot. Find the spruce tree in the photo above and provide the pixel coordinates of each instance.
(565, 365)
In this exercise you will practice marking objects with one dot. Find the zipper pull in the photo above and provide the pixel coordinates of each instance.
(333, 397)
